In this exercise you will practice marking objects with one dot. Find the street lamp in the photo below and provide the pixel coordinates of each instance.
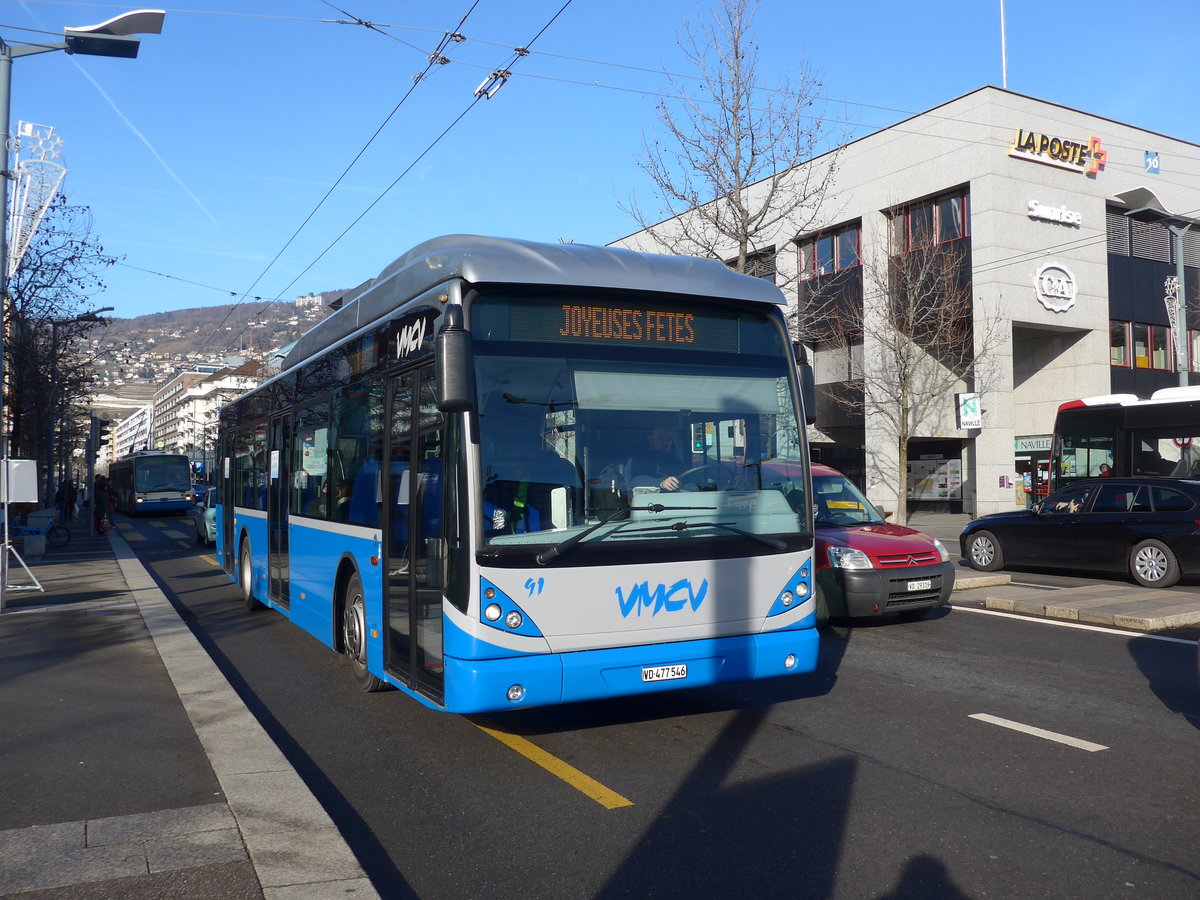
(91, 316)
(1146, 207)
(114, 37)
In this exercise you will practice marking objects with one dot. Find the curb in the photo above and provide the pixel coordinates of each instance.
(980, 581)
(296, 850)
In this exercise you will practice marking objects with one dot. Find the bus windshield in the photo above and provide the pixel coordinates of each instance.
(640, 444)
(163, 473)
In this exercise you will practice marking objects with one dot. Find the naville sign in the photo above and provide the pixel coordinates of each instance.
(970, 410)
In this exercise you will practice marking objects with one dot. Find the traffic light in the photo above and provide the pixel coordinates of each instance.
(698, 440)
(99, 431)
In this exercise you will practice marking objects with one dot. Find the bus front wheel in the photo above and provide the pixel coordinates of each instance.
(246, 578)
(354, 635)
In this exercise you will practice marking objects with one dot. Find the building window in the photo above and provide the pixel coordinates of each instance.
(1152, 347)
(762, 265)
(758, 265)
(1193, 351)
(1118, 344)
(829, 252)
(939, 220)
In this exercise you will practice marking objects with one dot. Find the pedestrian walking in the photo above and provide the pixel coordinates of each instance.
(72, 496)
(100, 504)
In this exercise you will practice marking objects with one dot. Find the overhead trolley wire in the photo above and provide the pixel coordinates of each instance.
(433, 60)
(486, 90)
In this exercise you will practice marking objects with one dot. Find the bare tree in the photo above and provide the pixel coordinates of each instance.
(55, 281)
(908, 346)
(728, 168)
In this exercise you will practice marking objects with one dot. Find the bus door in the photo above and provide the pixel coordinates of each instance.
(226, 497)
(412, 531)
(279, 483)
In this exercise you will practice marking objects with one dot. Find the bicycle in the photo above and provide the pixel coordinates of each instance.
(56, 535)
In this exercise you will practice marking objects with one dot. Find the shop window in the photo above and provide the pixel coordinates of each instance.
(1152, 347)
(1193, 350)
(1118, 344)
(829, 252)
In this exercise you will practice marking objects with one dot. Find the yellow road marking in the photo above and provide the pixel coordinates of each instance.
(585, 784)
(178, 535)
(124, 526)
(209, 558)
(134, 536)
(153, 524)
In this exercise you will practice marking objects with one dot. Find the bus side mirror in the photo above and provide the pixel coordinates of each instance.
(455, 367)
(808, 387)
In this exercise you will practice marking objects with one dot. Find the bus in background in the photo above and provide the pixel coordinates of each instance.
(446, 481)
(150, 482)
(1121, 435)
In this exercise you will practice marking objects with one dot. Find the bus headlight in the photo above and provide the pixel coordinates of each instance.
(513, 620)
(492, 612)
(516, 692)
(789, 661)
(787, 599)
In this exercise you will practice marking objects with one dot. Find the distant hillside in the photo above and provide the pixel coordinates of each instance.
(151, 349)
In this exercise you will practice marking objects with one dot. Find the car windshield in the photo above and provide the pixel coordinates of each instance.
(641, 445)
(836, 501)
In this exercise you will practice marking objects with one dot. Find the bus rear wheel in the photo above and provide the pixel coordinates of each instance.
(354, 635)
(246, 578)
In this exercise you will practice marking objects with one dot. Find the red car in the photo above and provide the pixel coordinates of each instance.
(866, 566)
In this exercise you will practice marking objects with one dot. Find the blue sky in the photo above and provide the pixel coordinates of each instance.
(201, 158)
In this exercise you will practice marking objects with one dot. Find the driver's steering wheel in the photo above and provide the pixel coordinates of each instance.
(725, 478)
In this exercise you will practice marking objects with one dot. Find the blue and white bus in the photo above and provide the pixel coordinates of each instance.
(438, 483)
(151, 482)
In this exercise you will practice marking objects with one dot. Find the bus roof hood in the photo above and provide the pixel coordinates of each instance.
(490, 260)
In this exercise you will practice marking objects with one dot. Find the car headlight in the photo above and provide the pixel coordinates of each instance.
(941, 549)
(848, 558)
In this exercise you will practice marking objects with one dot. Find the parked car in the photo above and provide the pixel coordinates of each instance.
(867, 566)
(1142, 527)
(206, 518)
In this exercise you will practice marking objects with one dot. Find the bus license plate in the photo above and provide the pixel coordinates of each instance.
(664, 673)
(923, 585)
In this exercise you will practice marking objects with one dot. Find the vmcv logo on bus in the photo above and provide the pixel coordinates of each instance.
(409, 338)
(662, 598)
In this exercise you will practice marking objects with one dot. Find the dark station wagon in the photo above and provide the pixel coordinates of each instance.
(1146, 528)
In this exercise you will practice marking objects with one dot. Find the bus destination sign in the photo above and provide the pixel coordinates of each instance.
(645, 326)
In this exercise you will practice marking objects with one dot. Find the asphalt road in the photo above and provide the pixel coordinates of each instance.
(905, 767)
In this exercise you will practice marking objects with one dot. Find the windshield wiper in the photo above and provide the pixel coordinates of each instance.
(773, 543)
(563, 546)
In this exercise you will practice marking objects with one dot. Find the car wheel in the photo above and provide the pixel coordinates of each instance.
(1152, 564)
(984, 553)
(354, 635)
(246, 578)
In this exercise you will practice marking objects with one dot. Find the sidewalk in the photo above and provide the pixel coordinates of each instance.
(1113, 602)
(131, 767)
